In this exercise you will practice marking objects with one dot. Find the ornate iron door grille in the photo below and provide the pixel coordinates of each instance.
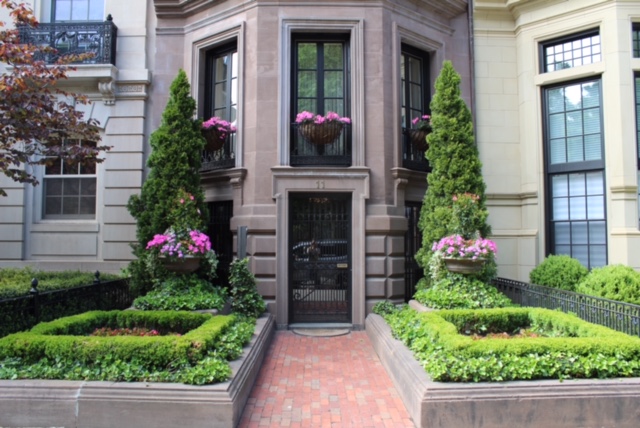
(320, 258)
(412, 242)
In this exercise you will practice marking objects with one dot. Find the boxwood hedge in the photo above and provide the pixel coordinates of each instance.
(64, 349)
(577, 349)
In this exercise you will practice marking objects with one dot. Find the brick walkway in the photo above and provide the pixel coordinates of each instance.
(323, 382)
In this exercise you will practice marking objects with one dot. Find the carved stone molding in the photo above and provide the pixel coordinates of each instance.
(107, 90)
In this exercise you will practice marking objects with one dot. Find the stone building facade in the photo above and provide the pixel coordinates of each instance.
(331, 229)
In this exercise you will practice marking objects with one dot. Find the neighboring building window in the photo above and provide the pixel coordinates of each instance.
(635, 34)
(69, 189)
(572, 51)
(637, 92)
(414, 66)
(78, 10)
(221, 84)
(575, 168)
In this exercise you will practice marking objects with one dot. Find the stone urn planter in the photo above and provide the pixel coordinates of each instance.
(185, 265)
(464, 266)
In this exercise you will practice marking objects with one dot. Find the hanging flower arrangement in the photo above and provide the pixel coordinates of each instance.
(216, 131)
(320, 130)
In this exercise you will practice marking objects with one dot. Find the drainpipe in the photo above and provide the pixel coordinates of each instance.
(472, 66)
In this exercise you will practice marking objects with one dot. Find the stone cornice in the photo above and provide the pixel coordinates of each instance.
(184, 8)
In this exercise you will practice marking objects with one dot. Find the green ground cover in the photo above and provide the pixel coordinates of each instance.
(568, 347)
(15, 282)
(190, 348)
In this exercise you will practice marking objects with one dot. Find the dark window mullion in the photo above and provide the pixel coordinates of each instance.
(320, 101)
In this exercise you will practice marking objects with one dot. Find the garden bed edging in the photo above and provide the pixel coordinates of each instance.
(95, 404)
(581, 403)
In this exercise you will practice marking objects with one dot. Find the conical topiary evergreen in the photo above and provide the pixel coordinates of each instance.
(456, 167)
(174, 164)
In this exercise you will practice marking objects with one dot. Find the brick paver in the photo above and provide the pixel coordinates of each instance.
(323, 382)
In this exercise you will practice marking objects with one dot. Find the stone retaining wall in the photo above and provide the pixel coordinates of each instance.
(585, 403)
(77, 404)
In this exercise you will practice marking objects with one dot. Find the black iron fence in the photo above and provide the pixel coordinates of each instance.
(327, 152)
(620, 316)
(220, 157)
(22, 313)
(98, 38)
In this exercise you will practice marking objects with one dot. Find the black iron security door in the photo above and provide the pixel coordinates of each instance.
(320, 258)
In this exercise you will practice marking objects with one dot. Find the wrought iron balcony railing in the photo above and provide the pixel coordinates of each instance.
(223, 157)
(414, 147)
(98, 38)
(325, 152)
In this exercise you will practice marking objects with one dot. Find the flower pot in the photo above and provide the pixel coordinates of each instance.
(321, 133)
(185, 265)
(464, 266)
(418, 139)
(214, 139)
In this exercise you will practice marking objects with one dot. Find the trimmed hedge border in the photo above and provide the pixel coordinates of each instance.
(69, 404)
(523, 404)
(68, 337)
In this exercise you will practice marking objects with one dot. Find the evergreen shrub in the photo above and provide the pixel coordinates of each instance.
(183, 293)
(614, 282)
(245, 299)
(559, 271)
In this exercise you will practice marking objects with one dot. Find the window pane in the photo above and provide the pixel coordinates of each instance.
(562, 233)
(220, 73)
(577, 184)
(333, 56)
(561, 209)
(88, 186)
(591, 95)
(416, 97)
(333, 83)
(307, 85)
(557, 126)
(220, 99)
(558, 151)
(415, 67)
(592, 147)
(52, 206)
(562, 249)
(580, 252)
(574, 149)
(87, 205)
(559, 185)
(555, 99)
(80, 10)
(579, 233)
(577, 208)
(595, 207)
(71, 186)
(96, 10)
(595, 186)
(597, 232)
(53, 186)
(598, 255)
(70, 205)
(307, 56)
(63, 10)
(574, 123)
(336, 105)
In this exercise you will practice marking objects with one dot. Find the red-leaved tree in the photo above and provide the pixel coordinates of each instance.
(36, 117)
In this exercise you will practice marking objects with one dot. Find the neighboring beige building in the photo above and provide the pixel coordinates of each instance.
(557, 90)
(78, 219)
(331, 229)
